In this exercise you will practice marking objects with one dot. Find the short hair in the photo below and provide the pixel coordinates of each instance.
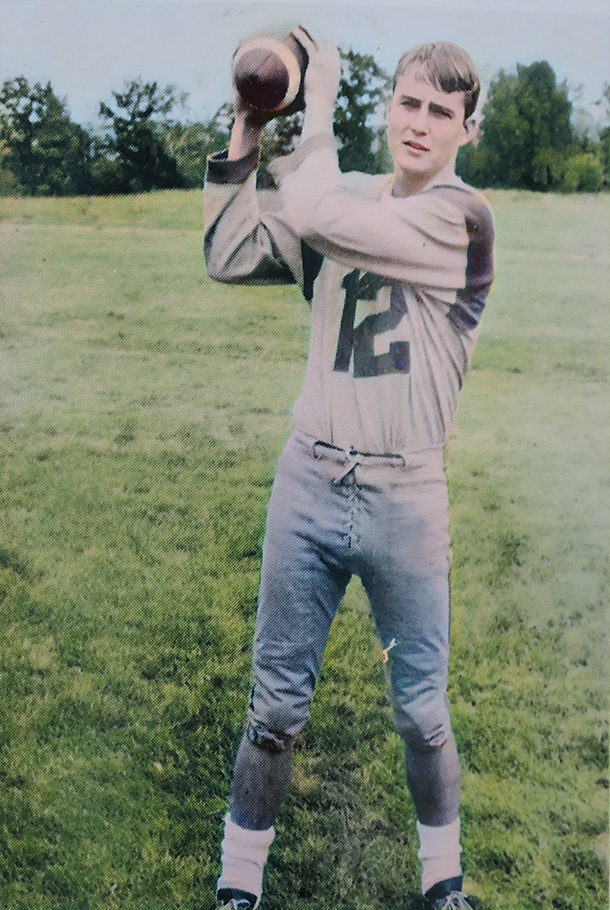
(447, 67)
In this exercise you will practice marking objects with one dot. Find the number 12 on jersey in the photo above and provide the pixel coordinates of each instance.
(360, 340)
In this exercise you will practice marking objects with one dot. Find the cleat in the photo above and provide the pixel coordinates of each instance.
(448, 895)
(455, 900)
(231, 899)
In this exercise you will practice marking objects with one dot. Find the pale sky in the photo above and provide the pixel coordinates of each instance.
(87, 48)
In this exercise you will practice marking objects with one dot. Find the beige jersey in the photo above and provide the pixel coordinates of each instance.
(397, 287)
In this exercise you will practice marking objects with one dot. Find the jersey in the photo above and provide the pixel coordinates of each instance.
(397, 288)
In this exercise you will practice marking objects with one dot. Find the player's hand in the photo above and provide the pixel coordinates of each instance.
(323, 70)
(250, 116)
(246, 129)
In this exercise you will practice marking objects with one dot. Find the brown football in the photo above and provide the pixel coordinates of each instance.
(268, 73)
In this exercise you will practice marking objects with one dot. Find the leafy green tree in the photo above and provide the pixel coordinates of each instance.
(279, 137)
(43, 151)
(135, 139)
(190, 144)
(604, 138)
(527, 131)
(584, 173)
(363, 89)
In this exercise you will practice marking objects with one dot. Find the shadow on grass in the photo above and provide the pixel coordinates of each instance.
(412, 901)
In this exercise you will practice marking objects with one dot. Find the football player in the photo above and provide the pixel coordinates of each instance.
(397, 270)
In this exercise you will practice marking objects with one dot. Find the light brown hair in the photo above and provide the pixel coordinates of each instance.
(447, 67)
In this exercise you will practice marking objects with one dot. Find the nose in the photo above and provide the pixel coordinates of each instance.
(419, 122)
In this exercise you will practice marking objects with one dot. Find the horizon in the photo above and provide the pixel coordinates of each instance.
(189, 43)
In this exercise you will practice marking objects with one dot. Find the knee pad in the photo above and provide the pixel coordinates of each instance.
(271, 740)
(421, 743)
(423, 728)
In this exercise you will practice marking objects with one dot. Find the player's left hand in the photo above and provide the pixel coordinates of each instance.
(323, 70)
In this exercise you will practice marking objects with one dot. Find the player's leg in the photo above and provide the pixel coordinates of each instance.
(413, 612)
(260, 780)
(418, 674)
(302, 582)
(408, 585)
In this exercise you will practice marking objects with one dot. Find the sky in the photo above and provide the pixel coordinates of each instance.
(88, 48)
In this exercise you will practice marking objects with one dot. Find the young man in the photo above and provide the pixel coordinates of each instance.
(397, 272)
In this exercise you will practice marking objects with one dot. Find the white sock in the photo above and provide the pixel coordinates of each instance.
(244, 854)
(439, 853)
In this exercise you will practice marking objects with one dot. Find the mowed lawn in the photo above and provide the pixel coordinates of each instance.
(143, 410)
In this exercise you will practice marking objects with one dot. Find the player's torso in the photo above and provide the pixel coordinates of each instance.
(386, 363)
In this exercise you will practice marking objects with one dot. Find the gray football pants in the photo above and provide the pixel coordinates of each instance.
(333, 514)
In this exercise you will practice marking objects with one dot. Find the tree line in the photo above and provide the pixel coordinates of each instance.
(528, 138)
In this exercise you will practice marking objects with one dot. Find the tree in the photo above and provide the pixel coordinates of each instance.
(190, 144)
(584, 173)
(604, 138)
(527, 133)
(363, 89)
(44, 152)
(279, 137)
(135, 137)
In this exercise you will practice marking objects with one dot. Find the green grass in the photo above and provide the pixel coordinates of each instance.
(143, 410)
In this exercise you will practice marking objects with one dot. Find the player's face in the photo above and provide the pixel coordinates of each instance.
(425, 130)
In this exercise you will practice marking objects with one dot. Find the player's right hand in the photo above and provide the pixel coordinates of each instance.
(323, 70)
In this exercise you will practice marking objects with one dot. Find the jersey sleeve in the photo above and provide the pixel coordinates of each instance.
(249, 238)
(421, 239)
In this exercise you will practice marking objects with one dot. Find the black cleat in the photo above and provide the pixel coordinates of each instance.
(455, 900)
(448, 895)
(232, 899)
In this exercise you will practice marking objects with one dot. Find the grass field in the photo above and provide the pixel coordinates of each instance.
(143, 410)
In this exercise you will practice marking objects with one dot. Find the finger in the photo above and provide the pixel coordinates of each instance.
(304, 38)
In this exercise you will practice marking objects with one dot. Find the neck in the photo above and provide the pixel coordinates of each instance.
(409, 184)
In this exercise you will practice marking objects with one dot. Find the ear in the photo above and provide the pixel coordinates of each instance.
(471, 132)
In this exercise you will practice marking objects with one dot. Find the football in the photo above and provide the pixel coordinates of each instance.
(268, 73)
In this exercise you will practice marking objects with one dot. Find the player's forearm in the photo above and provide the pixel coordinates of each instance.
(318, 118)
(321, 85)
(245, 137)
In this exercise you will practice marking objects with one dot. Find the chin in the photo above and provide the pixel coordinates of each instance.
(416, 169)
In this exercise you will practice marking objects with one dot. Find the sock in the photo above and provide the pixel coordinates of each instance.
(439, 853)
(244, 854)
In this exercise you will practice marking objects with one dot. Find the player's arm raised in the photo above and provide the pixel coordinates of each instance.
(247, 127)
(247, 239)
(420, 239)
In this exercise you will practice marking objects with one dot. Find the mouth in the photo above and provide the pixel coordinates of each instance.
(416, 146)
